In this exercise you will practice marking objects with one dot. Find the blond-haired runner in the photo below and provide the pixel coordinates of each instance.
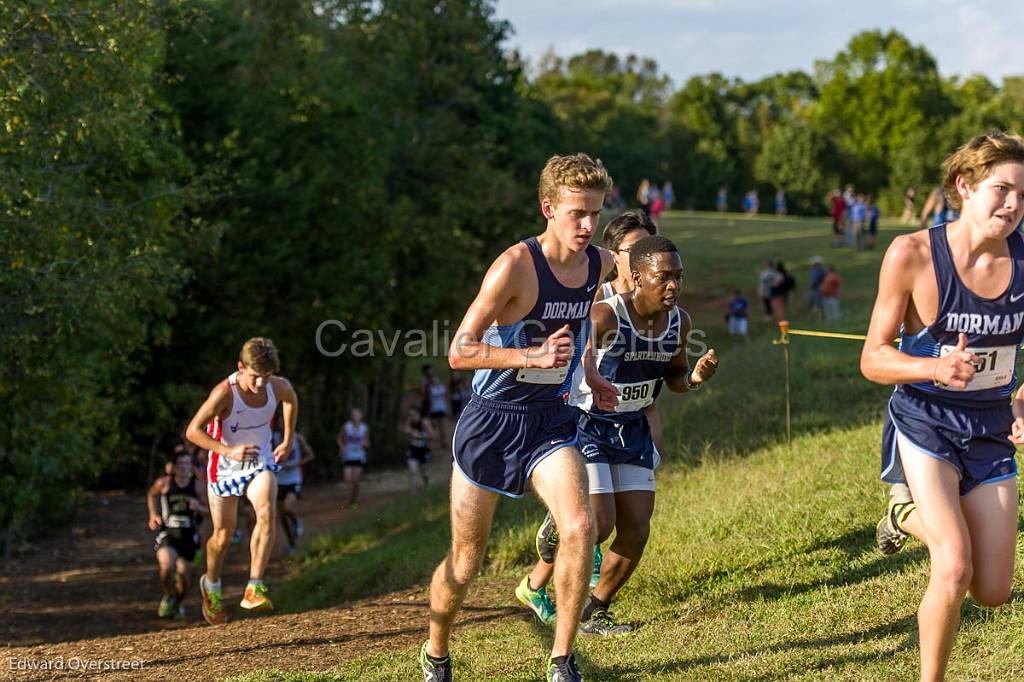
(524, 335)
(955, 294)
(235, 425)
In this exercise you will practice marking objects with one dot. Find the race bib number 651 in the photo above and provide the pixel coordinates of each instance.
(993, 369)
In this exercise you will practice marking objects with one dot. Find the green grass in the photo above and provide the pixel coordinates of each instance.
(761, 564)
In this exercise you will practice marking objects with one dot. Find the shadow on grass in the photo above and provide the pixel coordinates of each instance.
(853, 545)
(904, 626)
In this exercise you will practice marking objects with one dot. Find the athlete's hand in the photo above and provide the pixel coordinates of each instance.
(556, 351)
(281, 452)
(243, 453)
(154, 521)
(1017, 427)
(706, 366)
(606, 396)
(957, 367)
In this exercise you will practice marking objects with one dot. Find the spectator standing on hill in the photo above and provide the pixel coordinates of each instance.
(765, 280)
(831, 286)
(858, 212)
(722, 200)
(780, 201)
(838, 217)
(737, 315)
(668, 194)
(643, 195)
(782, 284)
(873, 213)
(814, 295)
(909, 210)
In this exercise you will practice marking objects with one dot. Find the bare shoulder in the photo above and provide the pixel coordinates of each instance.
(908, 253)
(280, 383)
(513, 261)
(603, 317)
(607, 261)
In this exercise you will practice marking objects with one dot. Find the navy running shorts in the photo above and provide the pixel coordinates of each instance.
(971, 439)
(616, 442)
(496, 444)
(182, 542)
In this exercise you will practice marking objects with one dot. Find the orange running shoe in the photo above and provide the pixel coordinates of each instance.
(256, 599)
(213, 611)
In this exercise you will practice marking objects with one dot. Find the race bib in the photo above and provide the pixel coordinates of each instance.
(175, 521)
(635, 397)
(555, 375)
(993, 369)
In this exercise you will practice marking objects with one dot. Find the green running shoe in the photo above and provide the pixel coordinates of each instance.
(166, 608)
(595, 574)
(889, 535)
(547, 540)
(565, 671)
(434, 671)
(603, 623)
(537, 601)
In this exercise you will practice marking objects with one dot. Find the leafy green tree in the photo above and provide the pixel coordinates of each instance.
(93, 189)
(800, 159)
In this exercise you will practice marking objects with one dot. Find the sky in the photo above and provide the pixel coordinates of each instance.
(750, 39)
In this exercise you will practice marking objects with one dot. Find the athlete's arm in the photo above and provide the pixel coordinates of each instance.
(1017, 427)
(603, 326)
(218, 404)
(158, 488)
(290, 411)
(880, 362)
(498, 291)
(307, 452)
(678, 371)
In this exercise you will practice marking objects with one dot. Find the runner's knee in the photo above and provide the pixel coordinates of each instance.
(577, 527)
(991, 595)
(465, 565)
(953, 575)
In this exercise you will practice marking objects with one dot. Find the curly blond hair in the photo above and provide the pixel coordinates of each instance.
(577, 172)
(976, 159)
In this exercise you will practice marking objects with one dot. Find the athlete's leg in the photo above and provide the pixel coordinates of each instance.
(472, 509)
(632, 528)
(287, 514)
(165, 558)
(352, 476)
(939, 523)
(414, 472)
(224, 515)
(180, 579)
(603, 506)
(561, 482)
(262, 492)
(991, 514)
(654, 419)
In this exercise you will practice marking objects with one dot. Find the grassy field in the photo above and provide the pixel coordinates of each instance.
(761, 564)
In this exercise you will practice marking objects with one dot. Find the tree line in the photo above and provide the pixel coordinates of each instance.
(180, 175)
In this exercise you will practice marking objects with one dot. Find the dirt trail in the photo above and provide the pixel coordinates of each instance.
(89, 596)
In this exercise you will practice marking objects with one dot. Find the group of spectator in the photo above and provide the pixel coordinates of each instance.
(854, 218)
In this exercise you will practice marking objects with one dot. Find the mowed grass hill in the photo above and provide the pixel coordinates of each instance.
(761, 563)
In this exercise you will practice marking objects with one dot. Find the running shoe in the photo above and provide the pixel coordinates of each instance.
(166, 608)
(297, 528)
(565, 671)
(435, 672)
(537, 601)
(595, 574)
(256, 599)
(547, 540)
(604, 624)
(889, 535)
(179, 613)
(213, 610)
